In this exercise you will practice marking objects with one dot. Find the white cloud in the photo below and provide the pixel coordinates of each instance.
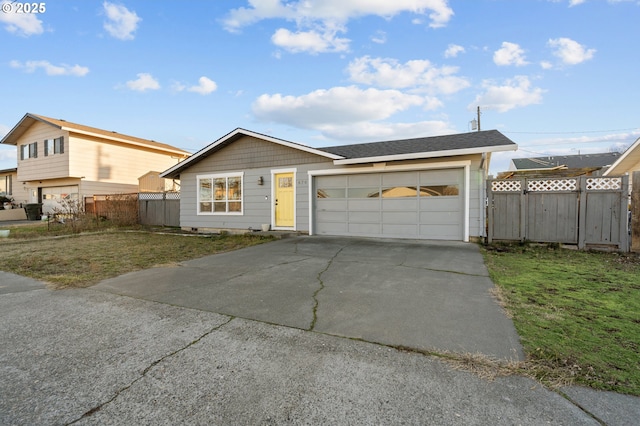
(514, 93)
(371, 131)
(416, 74)
(144, 82)
(334, 107)
(509, 54)
(335, 11)
(205, 86)
(453, 50)
(309, 41)
(380, 37)
(570, 51)
(50, 69)
(122, 22)
(318, 21)
(546, 65)
(23, 24)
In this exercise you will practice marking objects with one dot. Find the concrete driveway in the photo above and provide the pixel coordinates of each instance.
(432, 296)
(88, 356)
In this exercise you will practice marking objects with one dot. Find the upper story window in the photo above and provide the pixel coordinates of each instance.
(220, 194)
(29, 151)
(54, 146)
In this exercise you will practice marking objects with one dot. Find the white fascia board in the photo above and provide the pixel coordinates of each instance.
(628, 153)
(421, 155)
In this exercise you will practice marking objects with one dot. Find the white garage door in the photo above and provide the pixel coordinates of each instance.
(415, 204)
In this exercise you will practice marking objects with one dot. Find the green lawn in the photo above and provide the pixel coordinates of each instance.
(577, 313)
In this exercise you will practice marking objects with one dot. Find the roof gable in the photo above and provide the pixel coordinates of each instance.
(29, 119)
(232, 137)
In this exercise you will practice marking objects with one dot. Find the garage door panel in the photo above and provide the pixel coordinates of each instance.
(364, 217)
(399, 217)
(363, 205)
(364, 228)
(400, 204)
(331, 216)
(400, 230)
(440, 232)
(439, 218)
(332, 228)
(438, 204)
(413, 204)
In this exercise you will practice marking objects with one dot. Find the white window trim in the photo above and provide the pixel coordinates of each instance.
(213, 176)
(274, 172)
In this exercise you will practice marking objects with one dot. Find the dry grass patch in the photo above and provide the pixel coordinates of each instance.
(86, 259)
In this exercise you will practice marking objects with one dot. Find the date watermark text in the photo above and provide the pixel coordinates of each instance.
(16, 7)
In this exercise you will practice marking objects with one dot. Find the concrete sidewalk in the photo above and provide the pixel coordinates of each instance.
(89, 357)
(418, 294)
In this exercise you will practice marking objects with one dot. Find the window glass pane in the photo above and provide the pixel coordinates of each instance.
(364, 192)
(205, 189)
(205, 207)
(439, 190)
(235, 206)
(331, 193)
(220, 188)
(400, 192)
(285, 182)
(235, 189)
(48, 147)
(220, 207)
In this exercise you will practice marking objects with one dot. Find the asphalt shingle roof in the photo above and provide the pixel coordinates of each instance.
(459, 141)
(571, 161)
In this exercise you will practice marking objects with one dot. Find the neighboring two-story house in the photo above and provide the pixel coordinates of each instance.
(60, 160)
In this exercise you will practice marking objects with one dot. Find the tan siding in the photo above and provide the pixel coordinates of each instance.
(113, 163)
(50, 167)
(19, 191)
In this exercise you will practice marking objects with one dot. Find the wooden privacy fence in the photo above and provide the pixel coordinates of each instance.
(159, 208)
(585, 211)
(118, 208)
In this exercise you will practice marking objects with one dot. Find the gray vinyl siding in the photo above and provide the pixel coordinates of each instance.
(256, 158)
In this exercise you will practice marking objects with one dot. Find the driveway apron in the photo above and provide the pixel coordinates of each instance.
(425, 295)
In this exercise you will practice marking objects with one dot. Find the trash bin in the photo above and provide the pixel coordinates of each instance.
(33, 211)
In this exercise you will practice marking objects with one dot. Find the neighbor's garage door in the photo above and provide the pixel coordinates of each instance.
(415, 204)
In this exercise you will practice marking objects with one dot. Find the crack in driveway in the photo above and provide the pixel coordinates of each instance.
(320, 288)
(98, 407)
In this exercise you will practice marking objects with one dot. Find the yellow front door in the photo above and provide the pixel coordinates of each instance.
(284, 199)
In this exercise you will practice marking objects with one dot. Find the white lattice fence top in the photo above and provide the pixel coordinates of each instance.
(506, 186)
(548, 185)
(159, 196)
(601, 183)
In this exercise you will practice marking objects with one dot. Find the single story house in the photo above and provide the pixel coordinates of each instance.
(60, 161)
(427, 188)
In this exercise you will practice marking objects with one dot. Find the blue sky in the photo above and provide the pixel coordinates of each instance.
(555, 76)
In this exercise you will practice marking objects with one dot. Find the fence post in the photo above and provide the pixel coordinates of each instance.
(524, 206)
(624, 215)
(635, 212)
(582, 212)
(489, 212)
